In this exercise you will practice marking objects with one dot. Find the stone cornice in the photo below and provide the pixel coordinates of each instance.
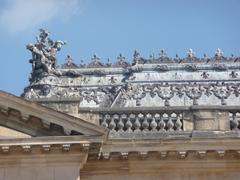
(159, 67)
(24, 110)
(156, 67)
(53, 140)
(159, 163)
(168, 148)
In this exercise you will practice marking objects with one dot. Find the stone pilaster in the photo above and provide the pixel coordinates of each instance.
(214, 120)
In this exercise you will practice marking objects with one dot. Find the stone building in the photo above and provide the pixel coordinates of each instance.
(154, 118)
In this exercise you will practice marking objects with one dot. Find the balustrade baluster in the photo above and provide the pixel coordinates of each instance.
(104, 122)
(161, 124)
(157, 120)
(145, 123)
(141, 119)
(153, 124)
(121, 121)
(129, 123)
(137, 125)
(112, 125)
(170, 123)
(178, 123)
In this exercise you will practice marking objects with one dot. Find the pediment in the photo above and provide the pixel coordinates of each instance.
(36, 120)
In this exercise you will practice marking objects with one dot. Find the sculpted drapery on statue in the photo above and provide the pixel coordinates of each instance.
(44, 53)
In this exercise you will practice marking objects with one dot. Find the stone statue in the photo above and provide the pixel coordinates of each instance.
(44, 53)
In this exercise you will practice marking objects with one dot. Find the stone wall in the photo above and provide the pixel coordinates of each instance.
(44, 172)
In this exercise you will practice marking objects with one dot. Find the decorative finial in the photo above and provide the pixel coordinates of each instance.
(151, 56)
(121, 58)
(95, 59)
(190, 53)
(136, 54)
(82, 63)
(205, 58)
(69, 60)
(177, 59)
(108, 62)
(162, 53)
(218, 53)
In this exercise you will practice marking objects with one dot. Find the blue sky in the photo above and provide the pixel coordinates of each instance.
(110, 27)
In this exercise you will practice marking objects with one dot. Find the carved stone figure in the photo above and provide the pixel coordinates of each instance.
(44, 53)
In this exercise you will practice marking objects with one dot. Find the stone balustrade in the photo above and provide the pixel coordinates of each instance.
(169, 119)
(142, 122)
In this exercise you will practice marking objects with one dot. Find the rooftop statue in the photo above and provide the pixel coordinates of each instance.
(44, 53)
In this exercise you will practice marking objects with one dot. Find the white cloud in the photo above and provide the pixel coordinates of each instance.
(20, 15)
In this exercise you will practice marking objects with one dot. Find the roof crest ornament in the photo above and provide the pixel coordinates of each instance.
(190, 53)
(69, 60)
(95, 62)
(121, 58)
(162, 53)
(95, 59)
(136, 57)
(69, 63)
(218, 53)
(121, 61)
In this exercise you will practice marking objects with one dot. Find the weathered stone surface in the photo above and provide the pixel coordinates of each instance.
(154, 118)
(211, 120)
(154, 82)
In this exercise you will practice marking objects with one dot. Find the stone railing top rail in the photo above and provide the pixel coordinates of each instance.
(157, 109)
